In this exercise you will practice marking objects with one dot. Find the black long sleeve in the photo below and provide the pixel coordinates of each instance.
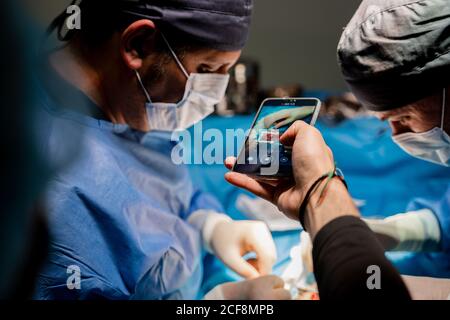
(342, 252)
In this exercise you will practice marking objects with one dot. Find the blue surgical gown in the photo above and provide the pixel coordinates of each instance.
(432, 264)
(118, 213)
(440, 205)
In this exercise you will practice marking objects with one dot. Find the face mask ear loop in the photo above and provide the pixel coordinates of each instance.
(444, 97)
(142, 86)
(175, 56)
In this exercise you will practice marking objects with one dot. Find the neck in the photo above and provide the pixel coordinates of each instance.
(98, 76)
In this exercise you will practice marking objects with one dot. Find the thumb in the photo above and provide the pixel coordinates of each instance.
(289, 136)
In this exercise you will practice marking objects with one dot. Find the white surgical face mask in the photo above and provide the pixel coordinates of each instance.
(433, 145)
(202, 93)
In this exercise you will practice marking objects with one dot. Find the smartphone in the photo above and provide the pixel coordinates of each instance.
(263, 156)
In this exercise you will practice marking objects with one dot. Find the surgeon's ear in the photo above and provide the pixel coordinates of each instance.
(138, 40)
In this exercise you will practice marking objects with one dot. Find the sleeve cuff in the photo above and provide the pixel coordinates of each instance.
(329, 230)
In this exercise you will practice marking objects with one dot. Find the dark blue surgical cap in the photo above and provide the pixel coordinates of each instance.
(217, 24)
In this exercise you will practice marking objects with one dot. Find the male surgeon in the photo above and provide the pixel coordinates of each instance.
(125, 222)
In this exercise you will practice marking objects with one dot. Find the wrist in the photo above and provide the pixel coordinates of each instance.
(207, 221)
(332, 203)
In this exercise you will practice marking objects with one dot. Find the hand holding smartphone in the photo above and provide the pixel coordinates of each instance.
(263, 156)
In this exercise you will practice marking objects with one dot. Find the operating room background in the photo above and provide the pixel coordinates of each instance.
(293, 40)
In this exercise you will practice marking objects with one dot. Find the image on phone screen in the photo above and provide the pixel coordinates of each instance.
(263, 154)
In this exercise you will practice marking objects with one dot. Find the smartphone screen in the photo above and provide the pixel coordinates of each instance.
(262, 154)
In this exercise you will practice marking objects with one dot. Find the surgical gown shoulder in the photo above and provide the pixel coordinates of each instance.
(117, 209)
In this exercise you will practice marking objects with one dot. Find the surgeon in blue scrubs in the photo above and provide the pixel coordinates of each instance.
(125, 221)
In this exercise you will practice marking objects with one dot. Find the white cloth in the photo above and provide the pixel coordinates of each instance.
(260, 209)
(299, 272)
(424, 288)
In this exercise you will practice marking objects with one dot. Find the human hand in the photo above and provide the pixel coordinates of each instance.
(311, 158)
(231, 240)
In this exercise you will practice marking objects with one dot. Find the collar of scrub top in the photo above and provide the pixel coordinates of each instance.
(74, 104)
(63, 100)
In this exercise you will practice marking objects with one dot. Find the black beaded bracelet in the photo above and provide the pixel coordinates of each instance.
(329, 176)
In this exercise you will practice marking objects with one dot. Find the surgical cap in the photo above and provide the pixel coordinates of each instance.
(396, 52)
(217, 24)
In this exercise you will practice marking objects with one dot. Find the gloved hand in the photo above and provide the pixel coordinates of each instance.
(263, 288)
(414, 231)
(231, 240)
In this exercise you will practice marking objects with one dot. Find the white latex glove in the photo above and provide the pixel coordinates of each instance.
(263, 288)
(414, 231)
(230, 240)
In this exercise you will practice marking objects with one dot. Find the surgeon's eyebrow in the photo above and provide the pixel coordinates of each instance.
(215, 62)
